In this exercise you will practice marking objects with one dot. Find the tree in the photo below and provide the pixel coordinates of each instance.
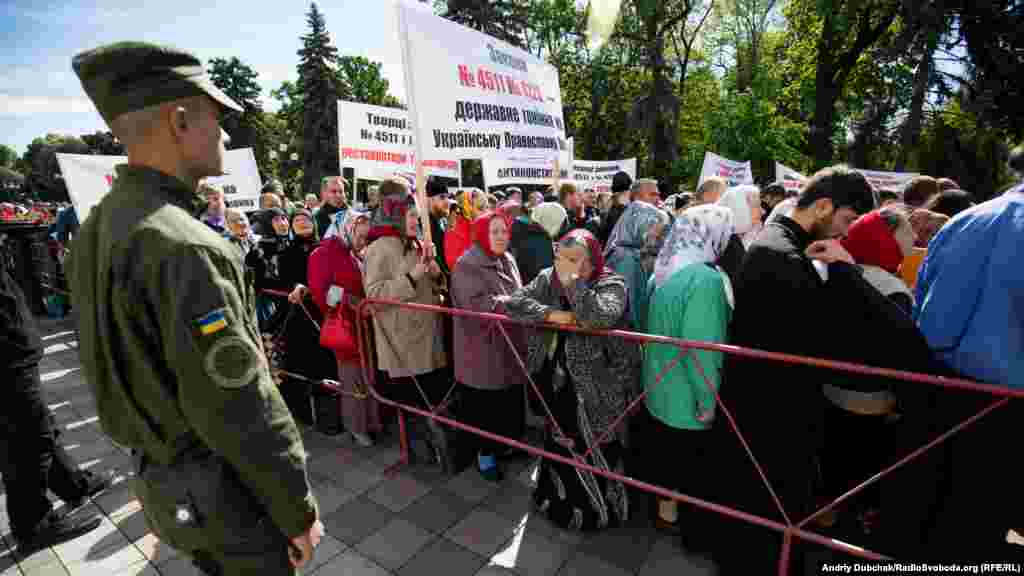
(42, 177)
(237, 79)
(104, 144)
(367, 84)
(834, 37)
(8, 157)
(503, 19)
(250, 128)
(321, 87)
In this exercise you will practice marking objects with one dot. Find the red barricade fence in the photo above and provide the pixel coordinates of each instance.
(790, 530)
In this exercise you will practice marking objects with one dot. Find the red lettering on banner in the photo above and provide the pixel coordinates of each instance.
(374, 155)
(110, 180)
(465, 76)
(513, 88)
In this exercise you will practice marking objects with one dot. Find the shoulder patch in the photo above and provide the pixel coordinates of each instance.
(232, 362)
(211, 322)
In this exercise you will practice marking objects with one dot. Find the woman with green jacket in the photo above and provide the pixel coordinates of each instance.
(690, 298)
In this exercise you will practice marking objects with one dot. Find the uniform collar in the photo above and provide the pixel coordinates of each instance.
(152, 182)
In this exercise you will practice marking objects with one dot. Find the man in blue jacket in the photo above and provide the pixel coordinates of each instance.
(970, 307)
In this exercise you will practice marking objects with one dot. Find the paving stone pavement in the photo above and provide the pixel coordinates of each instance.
(412, 522)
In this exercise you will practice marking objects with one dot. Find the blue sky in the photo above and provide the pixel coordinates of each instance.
(39, 93)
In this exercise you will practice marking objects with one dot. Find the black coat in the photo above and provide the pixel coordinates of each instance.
(20, 342)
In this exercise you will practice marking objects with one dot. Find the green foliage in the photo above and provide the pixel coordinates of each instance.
(503, 19)
(321, 87)
(8, 156)
(237, 79)
(365, 81)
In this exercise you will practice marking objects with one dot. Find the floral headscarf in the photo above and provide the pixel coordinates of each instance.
(593, 245)
(389, 217)
(631, 229)
(699, 236)
(347, 227)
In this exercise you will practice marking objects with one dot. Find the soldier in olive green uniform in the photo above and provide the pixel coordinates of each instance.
(169, 342)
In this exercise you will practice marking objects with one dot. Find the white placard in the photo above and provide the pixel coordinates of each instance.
(473, 96)
(894, 181)
(89, 178)
(598, 174)
(377, 142)
(241, 182)
(527, 170)
(735, 173)
(789, 178)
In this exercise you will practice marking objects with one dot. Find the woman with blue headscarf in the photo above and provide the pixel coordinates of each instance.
(631, 250)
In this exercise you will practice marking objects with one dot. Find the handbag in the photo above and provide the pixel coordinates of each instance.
(338, 334)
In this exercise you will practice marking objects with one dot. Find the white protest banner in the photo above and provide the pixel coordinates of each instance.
(241, 181)
(790, 179)
(526, 170)
(888, 180)
(597, 174)
(377, 142)
(89, 178)
(735, 173)
(473, 96)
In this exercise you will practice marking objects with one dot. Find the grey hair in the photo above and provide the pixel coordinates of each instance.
(643, 181)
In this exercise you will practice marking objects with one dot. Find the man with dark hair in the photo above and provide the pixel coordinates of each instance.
(622, 186)
(771, 195)
(780, 295)
(438, 197)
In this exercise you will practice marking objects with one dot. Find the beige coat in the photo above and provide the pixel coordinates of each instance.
(409, 342)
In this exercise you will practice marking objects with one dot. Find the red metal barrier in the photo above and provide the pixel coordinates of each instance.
(789, 529)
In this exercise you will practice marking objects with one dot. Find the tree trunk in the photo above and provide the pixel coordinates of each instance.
(825, 96)
(911, 132)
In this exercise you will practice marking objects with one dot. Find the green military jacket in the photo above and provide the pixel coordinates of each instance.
(170, 347)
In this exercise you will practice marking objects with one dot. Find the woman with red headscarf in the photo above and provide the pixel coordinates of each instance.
(879, 242)
(491, 396)
(587, 381)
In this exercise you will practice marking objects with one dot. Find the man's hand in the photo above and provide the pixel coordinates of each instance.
(433, 269)
(829, 251)
(301, 550)
(297, 294)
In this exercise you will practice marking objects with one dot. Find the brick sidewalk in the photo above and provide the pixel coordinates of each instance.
(416, 522)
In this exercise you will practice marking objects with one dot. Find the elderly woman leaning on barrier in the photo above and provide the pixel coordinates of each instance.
(587, 381)
(491, 393)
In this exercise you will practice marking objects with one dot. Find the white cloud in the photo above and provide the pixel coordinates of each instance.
(29, 105)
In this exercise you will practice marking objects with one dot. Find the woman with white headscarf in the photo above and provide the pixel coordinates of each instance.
(336, 282)
(691, 298)
(744, 202)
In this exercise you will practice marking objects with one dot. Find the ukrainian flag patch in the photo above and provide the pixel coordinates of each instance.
(212, 323)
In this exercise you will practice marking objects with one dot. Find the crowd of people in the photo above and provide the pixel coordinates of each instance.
(171, 304)
(830, 272)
